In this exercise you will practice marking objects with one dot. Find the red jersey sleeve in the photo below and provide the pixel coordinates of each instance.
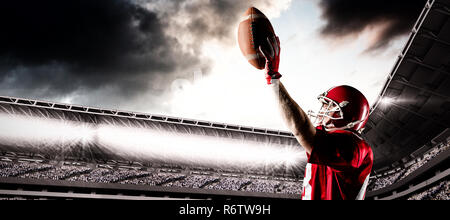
(340, 150)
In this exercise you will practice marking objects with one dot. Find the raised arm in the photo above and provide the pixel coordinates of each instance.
(294, 117)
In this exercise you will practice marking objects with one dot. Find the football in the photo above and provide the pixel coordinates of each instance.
(253, 31)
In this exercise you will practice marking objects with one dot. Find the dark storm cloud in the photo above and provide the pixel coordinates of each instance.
(346, 17)
(108, 53)
(206, 20)
(215, 19)
(52, 47)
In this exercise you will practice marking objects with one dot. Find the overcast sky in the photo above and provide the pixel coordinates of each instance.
(181, 58)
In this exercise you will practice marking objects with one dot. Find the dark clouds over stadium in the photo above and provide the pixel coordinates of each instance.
(53, 48)
(347, 17)
(116, 50)
(122, 53)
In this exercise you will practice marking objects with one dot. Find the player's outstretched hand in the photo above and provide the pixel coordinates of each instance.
(272, 55)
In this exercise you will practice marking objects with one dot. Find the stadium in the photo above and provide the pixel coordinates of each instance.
(67, 151)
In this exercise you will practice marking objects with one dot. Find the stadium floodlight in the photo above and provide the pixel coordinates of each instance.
(192, 149)
(387, 100)
(44, 133)
(40, 134)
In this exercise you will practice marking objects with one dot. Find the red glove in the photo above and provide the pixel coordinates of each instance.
(272, 55)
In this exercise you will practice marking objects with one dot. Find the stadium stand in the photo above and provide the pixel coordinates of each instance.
(11, 166)
(23, 167)
(414, 176)
(84, 166)
(408, 124)
(439, 192)
(393, 176)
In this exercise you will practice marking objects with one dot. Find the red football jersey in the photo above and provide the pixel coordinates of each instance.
(338, 168)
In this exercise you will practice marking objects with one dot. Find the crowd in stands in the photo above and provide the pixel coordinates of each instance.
(105, 175)
(438, 192)
(57, 173)
(230, 183)
(9, 169)
(426, 157)
(393, 176)
(197, 178)
(194, 181)
(386, 179)
(292, 187)
(101, 173)
(155, 179)
(266, 186)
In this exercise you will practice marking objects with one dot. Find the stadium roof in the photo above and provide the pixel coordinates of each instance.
(26, 106)
(414, 104)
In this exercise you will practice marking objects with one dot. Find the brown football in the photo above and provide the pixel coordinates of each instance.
(253, 31)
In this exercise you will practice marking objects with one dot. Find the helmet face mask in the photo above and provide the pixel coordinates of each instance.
(329, 112)
(343, 107)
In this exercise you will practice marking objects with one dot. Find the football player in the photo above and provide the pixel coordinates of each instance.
(339, 160)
